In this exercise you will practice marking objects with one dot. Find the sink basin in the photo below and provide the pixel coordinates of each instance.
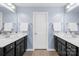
(7, 36)
(1, 37)
(68, 36)
(71, 36)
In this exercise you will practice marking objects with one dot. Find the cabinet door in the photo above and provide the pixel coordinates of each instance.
(22, 48)
(78, 51)
(63, 50)
(55, 43)
(73, 53)
(71, 49)
(59, 48)
(1, 52)
(25, 38)
(10, 53)
(18, 50)
(68, 52)
(9, 47)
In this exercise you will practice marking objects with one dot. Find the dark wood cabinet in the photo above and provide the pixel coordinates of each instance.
(65, 48)
(61, 49)
(10, 53)
(25, 41)
(9, 49)
(56, 43)
(20, 47)
(60, 46)
(16, 48)
(1, 52)
(71, 49)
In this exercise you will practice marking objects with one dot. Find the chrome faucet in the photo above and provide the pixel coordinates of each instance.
(69, 31)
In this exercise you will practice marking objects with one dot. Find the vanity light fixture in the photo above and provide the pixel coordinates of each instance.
(9, 6)
(71, 6)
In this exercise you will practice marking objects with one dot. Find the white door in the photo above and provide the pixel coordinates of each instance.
(40, 30)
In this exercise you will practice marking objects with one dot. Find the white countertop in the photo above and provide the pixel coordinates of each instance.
(13, 37)
(69, 38)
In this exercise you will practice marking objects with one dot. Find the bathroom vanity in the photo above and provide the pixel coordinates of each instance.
(66, 45)
(14, 45)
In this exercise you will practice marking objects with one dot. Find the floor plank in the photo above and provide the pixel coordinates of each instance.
(40, 53)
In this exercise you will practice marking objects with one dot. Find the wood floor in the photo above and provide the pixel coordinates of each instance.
(40, 53)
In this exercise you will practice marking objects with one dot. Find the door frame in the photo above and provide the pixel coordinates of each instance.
(47, 30)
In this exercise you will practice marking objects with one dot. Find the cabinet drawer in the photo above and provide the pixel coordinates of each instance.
(8, 47)
(19, 41)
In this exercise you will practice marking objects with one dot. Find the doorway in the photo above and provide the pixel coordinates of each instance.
(40, 30)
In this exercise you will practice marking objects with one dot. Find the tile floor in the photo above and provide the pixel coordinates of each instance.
(40, 53)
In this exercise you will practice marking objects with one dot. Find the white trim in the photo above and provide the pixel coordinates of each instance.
(47, 50)
(51, 50)
(47, 31)
(33, 31)
(29, 50)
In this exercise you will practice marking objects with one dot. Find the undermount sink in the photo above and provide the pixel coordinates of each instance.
(71, 36)
(1, 37)
(7, 36)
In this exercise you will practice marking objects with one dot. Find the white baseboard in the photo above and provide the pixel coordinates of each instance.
(47, 50)
(29, 50)
(51, 50)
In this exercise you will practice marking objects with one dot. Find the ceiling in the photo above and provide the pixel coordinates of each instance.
(40, 4)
